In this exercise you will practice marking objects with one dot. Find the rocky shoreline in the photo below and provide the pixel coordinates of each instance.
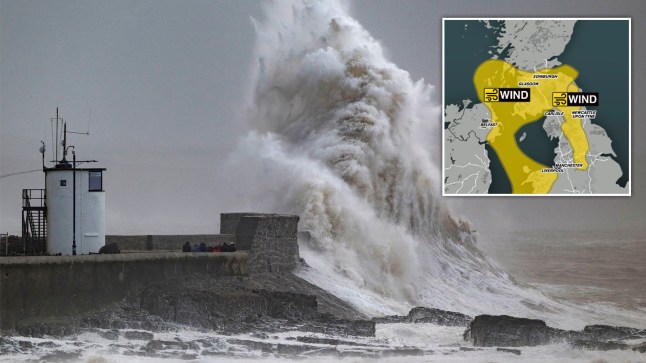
(282, 315)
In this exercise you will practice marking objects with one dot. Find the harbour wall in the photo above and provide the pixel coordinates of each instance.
(37, 287)
(33, 288)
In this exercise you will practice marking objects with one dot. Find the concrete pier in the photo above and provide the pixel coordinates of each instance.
(38, 287)
(41, 286)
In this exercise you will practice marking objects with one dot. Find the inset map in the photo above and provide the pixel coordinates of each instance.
(536, 107)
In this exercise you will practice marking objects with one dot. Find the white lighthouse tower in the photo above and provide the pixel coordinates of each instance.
(75, 202)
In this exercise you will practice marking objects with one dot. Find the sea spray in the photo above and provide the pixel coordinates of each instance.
(343, 137)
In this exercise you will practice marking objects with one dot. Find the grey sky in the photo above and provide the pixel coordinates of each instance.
(165, 83)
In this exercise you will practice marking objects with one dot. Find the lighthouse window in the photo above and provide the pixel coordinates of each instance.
(96, 181)
(63, 182)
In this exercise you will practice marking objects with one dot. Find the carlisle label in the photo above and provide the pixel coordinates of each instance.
(506, 95)
(575, 99)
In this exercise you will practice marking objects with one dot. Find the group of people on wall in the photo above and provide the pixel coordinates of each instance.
(202, 247)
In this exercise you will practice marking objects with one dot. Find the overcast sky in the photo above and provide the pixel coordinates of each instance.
(165, 84)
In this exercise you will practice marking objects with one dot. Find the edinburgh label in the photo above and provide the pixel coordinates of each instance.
(575, 99)
(506, 95)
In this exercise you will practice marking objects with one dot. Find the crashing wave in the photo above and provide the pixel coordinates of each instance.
(343, 137)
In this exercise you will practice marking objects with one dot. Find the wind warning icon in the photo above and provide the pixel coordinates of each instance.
(559, 99)
(491, 94)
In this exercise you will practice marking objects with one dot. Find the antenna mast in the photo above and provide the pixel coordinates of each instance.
(57, 140)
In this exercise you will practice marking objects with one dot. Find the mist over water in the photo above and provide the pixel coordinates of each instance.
(344, 138)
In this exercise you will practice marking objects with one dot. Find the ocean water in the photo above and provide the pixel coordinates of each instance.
(584, 267)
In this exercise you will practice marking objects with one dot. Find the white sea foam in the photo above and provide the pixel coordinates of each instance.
(439, 344)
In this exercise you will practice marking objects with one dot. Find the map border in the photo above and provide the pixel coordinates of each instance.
(630, 134)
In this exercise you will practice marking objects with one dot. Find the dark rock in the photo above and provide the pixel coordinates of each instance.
(153, 346)
(117, 346)
(110, 248)
(290, 305)
(641, 348)
(332, 326)
(234, 349)
(60, 356)
(193, 345)
(468, 349)
(638, 335)
(363, 328)
(254, 345)
(233, 309)
(123, 316)
(157, 345)
(110, 334)
(47, 327)
(507, 331)
(606, 332)
(508, 350)
(598, 345)
(260, 335)
(263, 303)
(25, 344)
(7, 346)
(236, 306)
(138, 335)
(422, 314)
(328, 341)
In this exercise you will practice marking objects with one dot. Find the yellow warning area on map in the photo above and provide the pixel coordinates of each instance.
(526, 175)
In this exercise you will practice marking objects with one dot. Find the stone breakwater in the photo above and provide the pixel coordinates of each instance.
(37, 287)
(245, 291)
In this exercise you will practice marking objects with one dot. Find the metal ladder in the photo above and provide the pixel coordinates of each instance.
(34, 221)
